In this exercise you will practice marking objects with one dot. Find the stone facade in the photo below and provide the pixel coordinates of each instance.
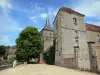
(93, 39)
(47, 35)
(72, 41)
(77, 43)
(72, 50)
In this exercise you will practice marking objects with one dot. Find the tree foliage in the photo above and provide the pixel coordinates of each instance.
(29, 44)
(2, 50)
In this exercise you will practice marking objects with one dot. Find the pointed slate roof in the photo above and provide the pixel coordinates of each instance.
(47, 25)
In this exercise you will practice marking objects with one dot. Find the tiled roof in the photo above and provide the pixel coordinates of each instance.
(67, 10)
(71, 10)
(92, 27)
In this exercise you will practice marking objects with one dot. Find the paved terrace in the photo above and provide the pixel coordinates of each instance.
(42, 69)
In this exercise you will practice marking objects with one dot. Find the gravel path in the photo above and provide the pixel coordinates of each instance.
(42, 69)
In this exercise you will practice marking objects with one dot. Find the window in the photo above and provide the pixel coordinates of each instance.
(76, 38)
(76, 41)
(75, 21)
(98, 38)
(76, 32)
(76, 35)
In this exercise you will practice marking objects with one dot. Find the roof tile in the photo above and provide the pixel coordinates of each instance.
(71, 10)
(92, 27)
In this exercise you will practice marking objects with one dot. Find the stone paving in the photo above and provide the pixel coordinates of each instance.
(42, 69)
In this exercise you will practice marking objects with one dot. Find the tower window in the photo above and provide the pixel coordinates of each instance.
(75, 21)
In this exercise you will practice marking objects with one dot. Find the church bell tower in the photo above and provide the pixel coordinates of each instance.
(47, 35)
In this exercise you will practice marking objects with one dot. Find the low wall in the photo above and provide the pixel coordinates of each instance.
(5, 67)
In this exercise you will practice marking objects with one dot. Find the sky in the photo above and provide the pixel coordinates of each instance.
(15, 15)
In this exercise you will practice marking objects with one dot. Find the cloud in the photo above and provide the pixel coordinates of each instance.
(51, 13)
(38, 12)
(90, 8)
(7, 24)
(95, 23)
(5, 4)
(34, 19)
(37, 8)
(43, 15)
(4, 38)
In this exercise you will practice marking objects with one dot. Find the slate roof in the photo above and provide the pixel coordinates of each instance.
(47, 25)
(92, 27)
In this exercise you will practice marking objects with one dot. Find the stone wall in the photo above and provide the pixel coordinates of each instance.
(66, 42)
(5, 67)
(92, 35)
(97, 46)
(47, 37)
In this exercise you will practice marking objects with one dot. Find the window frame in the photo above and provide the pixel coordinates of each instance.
(75, 21)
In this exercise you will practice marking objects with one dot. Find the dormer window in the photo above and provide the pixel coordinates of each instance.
(75, 21)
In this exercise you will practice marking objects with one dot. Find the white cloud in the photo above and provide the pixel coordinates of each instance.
(4, 38)
(37, 7)
(90, 8)
(10, 6)
(5, 4)
(95, 23)
(7, 24)
(39, 12)
(34, 19)
(43, 15)
(51, 13)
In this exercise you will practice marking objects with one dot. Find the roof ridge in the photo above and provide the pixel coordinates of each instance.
(92, 24)
(92, 27)
(71, 10)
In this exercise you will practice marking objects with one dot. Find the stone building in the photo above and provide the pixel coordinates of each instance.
(70, 34)
(47, 35)
(93, 40)
(76, 41)
(11, 52)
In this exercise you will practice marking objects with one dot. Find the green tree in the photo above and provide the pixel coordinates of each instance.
(29, 44)
(2, 50)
